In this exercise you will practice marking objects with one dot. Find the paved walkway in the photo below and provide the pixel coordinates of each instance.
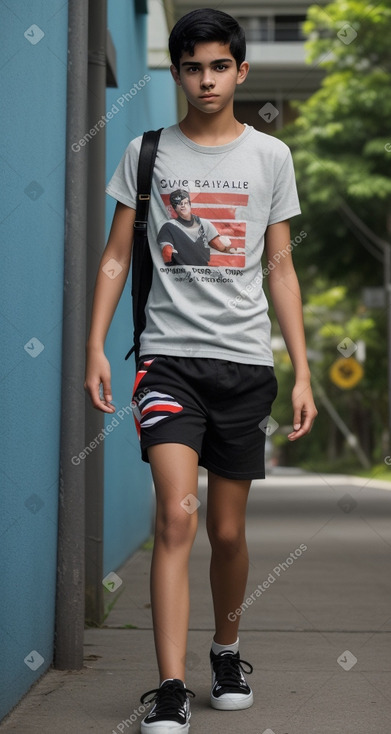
(317, 630)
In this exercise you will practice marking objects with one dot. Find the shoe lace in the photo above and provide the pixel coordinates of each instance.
(167, 697)
(227, 668)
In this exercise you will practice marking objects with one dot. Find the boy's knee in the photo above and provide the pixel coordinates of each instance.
(228, 539)
(176, 529)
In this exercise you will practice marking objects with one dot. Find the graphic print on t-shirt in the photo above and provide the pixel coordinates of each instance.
(204, 229)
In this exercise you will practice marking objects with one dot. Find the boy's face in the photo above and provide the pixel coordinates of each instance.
(209, 77)
(183, 209)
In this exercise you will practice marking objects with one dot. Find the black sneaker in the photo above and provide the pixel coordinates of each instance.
(171, 712)
(229, 687)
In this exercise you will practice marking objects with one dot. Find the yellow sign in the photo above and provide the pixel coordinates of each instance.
(346, 372)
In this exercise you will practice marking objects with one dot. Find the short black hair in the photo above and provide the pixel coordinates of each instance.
(206, 24)
(177, 196)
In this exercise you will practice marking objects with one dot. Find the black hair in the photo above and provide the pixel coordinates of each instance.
(206, 24)
(177, 196)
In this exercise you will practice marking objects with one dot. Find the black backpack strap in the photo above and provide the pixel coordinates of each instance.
(146, 162)
(141, 256)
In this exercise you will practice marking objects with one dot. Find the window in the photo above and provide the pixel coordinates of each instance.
(271, 29)
(288, 28)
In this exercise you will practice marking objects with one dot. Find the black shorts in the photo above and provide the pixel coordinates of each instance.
(217, 407)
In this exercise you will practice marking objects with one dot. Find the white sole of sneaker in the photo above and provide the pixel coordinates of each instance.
(164, 727)
(232, 703)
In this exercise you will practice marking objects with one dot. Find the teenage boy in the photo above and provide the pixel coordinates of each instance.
(208, 367)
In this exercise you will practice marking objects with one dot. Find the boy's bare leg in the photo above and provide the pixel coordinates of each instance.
(175, 474)
(226, 517)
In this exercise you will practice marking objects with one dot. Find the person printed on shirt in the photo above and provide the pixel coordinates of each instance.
(187, 239)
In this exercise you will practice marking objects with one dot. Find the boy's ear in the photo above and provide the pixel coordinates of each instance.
(175, 75)
(242, 72)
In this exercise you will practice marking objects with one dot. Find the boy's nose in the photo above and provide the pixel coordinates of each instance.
(207, 80)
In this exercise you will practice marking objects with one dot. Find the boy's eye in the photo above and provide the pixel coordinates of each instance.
(218, 67)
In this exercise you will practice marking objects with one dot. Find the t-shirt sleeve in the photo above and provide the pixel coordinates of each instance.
(209, 229)
(123, 183)
(285, 200)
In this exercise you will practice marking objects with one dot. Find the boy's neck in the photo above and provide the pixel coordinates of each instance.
(218, 128)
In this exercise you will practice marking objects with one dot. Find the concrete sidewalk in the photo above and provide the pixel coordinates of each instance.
(317, 631)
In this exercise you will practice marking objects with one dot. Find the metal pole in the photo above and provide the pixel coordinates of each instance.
(350, 437)
(70, 559)
(96, 242)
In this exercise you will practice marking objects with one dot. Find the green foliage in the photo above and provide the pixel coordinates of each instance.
(341, 146)
(341, 140)
(371, 22)
(328, 298)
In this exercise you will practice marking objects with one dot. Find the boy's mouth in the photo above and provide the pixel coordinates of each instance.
(208, 96)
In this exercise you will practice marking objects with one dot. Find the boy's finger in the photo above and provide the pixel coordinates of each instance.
(107, 389)
(107, 397)
(307, 425)
(297, 434)
(304, 428)
(97, 401)
(104, 406)
(297, 419)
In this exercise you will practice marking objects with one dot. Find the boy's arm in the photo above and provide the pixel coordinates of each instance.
(108, 289)
(222, 244)
(286, 299)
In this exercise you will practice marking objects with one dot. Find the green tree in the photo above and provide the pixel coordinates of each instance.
(341, 145)
(343, 133)
(341, 139)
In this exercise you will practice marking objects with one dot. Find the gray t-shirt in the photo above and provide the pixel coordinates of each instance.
(206, 298)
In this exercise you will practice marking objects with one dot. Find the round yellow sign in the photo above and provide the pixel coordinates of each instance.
(346, 372)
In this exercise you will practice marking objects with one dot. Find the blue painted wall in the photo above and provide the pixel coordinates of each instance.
(33, 80)
(128, 483)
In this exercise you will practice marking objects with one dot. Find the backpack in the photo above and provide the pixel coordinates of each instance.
(141, 256)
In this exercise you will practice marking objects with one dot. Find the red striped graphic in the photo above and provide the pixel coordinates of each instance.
(204, 197)
(227, 261)
(214, 212)
(233, 229)
(139, 377)
(161, 407)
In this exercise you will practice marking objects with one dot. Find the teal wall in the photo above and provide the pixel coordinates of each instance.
(33, 83)
(128, 483)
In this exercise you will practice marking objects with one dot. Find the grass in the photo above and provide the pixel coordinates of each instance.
(378, 471)
(343, 466)
(148, 545)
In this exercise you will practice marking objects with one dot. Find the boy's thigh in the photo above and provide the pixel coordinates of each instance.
(234, 442)
(175, 474)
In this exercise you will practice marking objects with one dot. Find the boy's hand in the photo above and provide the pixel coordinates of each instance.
(225, 240)
(98, 372)
(304, 410)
